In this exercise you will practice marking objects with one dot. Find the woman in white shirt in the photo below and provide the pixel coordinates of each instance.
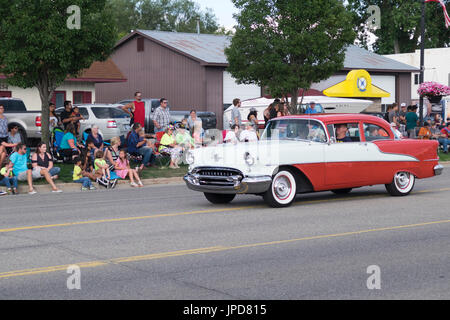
(249, 134)
(232, 135)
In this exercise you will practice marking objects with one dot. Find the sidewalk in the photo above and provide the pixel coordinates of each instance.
(121, 184)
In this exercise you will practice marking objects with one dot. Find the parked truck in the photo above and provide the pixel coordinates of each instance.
(28, 122)
(209, 119)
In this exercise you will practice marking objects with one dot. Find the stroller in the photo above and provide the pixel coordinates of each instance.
(55, 141)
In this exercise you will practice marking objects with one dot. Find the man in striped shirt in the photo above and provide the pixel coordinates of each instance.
(161, 118)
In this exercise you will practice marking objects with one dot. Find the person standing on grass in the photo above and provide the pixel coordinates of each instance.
(235, 113)
(20, 168)
(411, 121)
(78, 176)
(3, 134)
(136, 110)
(54, 119)
(162, 116)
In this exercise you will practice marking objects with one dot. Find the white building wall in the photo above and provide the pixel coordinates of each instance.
(437, 66)
(233, 90)
(32, 100)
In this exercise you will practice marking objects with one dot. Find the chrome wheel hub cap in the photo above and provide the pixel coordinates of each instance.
(282, 187)
(402, 180)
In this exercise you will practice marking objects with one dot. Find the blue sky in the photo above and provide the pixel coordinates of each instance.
(223, 9)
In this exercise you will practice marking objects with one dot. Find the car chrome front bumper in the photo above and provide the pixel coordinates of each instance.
(235, 184)
(438, 170)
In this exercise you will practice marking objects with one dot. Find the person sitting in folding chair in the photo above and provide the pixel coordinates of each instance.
(138, 146)
(169, 145)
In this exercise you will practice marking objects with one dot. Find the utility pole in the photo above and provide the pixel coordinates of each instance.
(422, 60)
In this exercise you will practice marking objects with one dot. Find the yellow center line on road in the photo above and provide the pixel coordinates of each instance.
(154, 256)
(220, 210)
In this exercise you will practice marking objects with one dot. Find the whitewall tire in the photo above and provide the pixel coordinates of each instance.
(282, 191)
(402, 184)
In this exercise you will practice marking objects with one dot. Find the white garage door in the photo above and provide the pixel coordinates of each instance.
(387, 83)
(233, 90)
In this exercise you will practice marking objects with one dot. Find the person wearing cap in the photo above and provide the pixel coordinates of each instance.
(249, 134)
(411, 121)
(253, 118)
(168, 144)
(311, 109)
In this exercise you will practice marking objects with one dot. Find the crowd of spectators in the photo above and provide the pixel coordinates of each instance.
(405, 121)
(94, 160)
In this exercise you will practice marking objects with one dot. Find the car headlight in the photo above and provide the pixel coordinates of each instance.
(190, 158)
(249, 159)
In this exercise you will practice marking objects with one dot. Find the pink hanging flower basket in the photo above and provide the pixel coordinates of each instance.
(433, 91)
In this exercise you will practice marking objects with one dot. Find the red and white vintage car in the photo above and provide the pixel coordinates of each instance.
(302, 154)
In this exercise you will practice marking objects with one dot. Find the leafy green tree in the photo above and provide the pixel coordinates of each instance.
(164, 15)
(125, 15)
(286, 45)
(39, 50)
(400, 25)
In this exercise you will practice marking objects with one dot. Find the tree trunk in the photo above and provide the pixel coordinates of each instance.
(303, 95)
(396, 46)
(44, 92)
(294, 99)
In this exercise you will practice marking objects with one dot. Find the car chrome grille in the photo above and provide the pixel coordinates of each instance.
(218, 176)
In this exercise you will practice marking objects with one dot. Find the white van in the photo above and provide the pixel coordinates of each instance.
(323, 105)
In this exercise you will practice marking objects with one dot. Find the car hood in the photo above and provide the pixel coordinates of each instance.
(266, 154)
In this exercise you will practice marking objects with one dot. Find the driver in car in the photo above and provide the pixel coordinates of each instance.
(341, 133)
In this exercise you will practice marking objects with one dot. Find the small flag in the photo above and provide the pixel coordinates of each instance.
(447, 18)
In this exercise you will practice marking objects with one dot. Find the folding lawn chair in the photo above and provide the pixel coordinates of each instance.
(162, 158)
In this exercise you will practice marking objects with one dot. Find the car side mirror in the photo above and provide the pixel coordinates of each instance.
(332, 140)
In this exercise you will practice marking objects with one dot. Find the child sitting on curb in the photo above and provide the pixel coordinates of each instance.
(8, 179)
(79, 178)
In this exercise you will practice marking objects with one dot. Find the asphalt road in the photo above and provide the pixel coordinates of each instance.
(167, 242)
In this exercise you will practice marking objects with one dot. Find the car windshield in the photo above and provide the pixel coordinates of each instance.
(295, 129)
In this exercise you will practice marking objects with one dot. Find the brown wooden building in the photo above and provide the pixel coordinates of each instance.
(187, 69)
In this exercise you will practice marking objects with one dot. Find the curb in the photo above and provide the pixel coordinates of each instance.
(121, 184)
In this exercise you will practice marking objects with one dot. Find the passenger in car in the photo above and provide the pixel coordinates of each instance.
(341, 133)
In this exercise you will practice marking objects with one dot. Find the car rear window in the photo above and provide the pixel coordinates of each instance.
(109, 113)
